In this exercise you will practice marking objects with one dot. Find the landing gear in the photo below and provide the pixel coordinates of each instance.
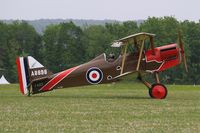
(158, 91)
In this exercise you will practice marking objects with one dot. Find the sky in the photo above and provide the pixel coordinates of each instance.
(99, 9)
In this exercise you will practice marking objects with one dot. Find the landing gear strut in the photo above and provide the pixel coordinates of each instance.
(157, 90)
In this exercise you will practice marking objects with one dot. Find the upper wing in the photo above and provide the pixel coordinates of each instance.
(135, 38)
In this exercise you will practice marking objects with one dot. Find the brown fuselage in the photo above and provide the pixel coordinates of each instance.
(78, 76)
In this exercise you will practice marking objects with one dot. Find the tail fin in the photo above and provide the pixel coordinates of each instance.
(30, 70)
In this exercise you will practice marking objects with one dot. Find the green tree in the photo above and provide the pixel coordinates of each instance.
(3, 41)
(96, 41)
(50, 39)
(119, 30)
(191, 32)
(16, 38)
(63, 46)
(165, 28)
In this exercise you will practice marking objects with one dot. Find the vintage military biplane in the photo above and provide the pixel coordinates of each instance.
(145, 58)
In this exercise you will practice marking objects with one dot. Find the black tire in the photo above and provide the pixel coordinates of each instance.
(158, 91)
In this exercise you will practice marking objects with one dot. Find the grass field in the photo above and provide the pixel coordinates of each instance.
(120, 107)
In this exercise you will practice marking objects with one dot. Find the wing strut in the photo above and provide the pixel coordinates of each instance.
(152, 45)
(140, 56)
(124, 58)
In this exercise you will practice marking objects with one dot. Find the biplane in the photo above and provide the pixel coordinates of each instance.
(145, 58)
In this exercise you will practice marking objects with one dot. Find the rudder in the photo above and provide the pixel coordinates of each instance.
(30, 70)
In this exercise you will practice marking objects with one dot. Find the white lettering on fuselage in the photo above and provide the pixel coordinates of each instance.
(39, 72)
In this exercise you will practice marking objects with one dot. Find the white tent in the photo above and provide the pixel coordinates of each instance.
(3, 80)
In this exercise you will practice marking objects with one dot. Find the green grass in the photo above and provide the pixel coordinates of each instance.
(120, 107)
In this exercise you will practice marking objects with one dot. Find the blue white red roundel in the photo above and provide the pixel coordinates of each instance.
(94, 75)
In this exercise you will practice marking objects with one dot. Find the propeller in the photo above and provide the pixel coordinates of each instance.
(181, 45)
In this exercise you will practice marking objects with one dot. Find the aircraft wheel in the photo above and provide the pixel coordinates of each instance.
(158, 91)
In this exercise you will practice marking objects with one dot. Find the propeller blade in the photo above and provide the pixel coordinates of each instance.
(180, 41)
(185, 63)
(181, 45)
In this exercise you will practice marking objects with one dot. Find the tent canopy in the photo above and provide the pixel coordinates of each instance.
(3, 80)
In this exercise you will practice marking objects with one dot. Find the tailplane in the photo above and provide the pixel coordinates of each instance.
(32, 75)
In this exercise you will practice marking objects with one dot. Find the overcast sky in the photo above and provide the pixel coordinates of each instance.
(99, 9)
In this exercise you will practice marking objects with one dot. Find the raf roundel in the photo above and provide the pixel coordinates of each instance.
(94, 75)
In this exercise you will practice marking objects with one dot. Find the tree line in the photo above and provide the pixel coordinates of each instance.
(65, 45)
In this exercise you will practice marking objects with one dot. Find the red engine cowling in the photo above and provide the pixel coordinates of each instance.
(169, 52)
(168, 55)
